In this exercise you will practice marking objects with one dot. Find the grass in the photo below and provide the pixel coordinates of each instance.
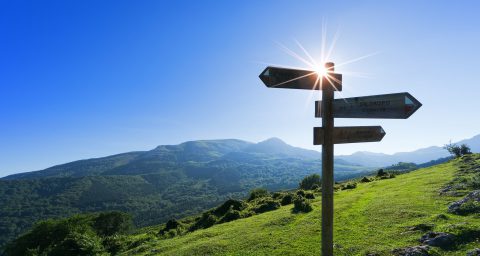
(375, 217)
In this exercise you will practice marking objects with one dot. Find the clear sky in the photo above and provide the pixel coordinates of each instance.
(82, 79)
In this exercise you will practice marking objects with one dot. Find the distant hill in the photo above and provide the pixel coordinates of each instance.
(418, 156)
(165, 182)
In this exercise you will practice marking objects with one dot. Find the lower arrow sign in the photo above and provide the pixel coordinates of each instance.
(353, 134)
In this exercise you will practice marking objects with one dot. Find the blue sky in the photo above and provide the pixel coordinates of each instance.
(82, 79)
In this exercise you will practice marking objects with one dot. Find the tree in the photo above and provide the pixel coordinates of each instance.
(110, 223)
(456, 150)
(308, 182)
(465, 149)
(381, 173)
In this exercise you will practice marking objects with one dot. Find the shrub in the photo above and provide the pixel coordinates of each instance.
(381, 173)
(277, 195)
(287, 199)
(316, 187)
(231, 215)
(171, 224)
(257, 193)
(309, 196)
(350, 186)
(229, 204)
(301, 205)
(207, 220)
(267, 205)
(110, 223)
(308, 182)
(300, 193)
(53, 237)
(114, 244)
(365, 179)
(78, 243)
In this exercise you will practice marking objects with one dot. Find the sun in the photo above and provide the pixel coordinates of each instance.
(321, 70)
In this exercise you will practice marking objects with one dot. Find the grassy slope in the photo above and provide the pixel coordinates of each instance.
(371, 218)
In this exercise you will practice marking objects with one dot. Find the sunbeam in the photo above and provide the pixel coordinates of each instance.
(317, 66)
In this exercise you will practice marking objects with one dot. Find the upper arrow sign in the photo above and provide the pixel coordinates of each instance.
(275, 77)
(393, 106)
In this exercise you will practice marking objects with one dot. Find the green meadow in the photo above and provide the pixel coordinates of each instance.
(374, 218)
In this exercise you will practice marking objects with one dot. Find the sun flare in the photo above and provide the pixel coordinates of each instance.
(321, 70)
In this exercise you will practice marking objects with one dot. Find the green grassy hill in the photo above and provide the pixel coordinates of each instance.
(375, 218)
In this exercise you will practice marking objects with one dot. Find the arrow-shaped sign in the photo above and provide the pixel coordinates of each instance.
(352, 134)
(275, 77)
(393, 106)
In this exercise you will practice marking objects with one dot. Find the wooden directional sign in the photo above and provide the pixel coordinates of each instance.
(275, 77)
(393, 106)
(352, 134)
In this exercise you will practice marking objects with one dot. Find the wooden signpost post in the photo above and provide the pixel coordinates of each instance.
(397, 105)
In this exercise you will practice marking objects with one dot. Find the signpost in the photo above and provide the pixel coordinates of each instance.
(275, 77)
(391, 106)
(351, 134)
(397, 105)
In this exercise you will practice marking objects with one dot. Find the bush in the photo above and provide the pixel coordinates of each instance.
(231, 215)
(381, 173)
(257, 193)
(316, 187)
(69, 236)
(229, 204)
(287, 199)
(365, 180)
(114, 244)
(350, 186)
(110, 223)
(308, 182)
(309, 196)
(171, 224)
(388, 176)
(76, 243)
(207, 220)
(301, 205)
(267, 205)
(300, 193)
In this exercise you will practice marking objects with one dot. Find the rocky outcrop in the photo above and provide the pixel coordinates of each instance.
(438, 239)
(474, 252)
(457, 207)
(421, 250)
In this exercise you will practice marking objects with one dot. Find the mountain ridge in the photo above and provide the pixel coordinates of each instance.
(422, 155)
(202, 151)
(192, 151)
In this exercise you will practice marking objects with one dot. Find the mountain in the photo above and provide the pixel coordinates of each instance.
(277, 147)
(418, 156)
(165, 182)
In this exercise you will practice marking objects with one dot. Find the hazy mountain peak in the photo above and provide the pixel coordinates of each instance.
(279, 147)
(274, 141)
